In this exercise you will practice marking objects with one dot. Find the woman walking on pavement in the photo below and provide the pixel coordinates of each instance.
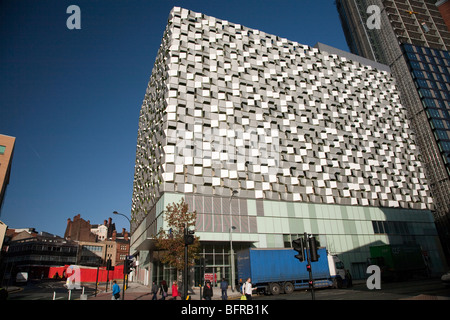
(174, 291)
(163, 289)
(247, 289)
(208, 291)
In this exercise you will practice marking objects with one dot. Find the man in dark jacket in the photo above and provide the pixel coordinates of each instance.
(224, 288)
(208, 291)
(154, 290)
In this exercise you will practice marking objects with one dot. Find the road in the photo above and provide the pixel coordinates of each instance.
(423, 289)
(44, 290)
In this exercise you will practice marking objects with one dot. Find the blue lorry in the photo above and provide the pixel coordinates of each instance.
(275, 271)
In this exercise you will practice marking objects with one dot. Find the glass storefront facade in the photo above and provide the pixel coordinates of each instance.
(348, 231)
(217, 265)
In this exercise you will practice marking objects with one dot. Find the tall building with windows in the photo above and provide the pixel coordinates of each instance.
(6, 155)
(266, 139)
(444, 9)
(402, 21)
(414, 41)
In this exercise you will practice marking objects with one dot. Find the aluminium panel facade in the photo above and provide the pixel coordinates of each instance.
(233, 108)
(228, 107)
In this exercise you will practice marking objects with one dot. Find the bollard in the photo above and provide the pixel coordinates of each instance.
(83, 296)
(54, 295)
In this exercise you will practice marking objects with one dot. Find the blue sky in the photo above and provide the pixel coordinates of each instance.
(72, 97)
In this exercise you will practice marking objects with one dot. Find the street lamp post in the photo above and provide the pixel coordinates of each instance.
(233, 193)
(124, 274)
(232, 258)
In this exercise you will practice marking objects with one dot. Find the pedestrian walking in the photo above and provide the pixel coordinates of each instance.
(3, 294)
(348, 278)
(208, 291)
(154, 290)
(115, 291)
(247, 289)
(240, 285)
(224, 288)
(175, 293)
(163, 289)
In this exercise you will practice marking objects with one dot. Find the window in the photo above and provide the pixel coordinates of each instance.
(412, 56)
(2, 149)
(418, 74)
(445, 95)
(390, 227)
(408, 48)
(445, 145)
(287, 240)
(425, 93)
(433, 113)
(423, 83)
(385, 226)
(415, 65)
(436, 76)
(442, 134)
(92, 248)
(439, 124)
(375, 227)
(428, 103)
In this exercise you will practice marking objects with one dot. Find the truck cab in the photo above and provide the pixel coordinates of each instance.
(337, 270)
(21, 277)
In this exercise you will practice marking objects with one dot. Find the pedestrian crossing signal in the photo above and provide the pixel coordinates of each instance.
(313, 249)
(189, 237)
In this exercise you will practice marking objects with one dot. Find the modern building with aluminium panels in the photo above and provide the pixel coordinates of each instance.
(266, 139)
(413, 39)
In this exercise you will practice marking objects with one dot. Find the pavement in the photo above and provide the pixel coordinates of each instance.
(13, 289)
(137, 291)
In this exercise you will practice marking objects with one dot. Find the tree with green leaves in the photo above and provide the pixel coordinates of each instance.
(170, 242)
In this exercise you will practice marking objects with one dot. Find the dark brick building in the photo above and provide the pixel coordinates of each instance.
(79, 230)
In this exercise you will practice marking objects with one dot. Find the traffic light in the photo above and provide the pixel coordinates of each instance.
(188, 237)
(109, 265)
(128, 264)
(313, 249)
(299, 246)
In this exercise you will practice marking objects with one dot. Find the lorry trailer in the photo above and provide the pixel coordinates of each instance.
(276, 271)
